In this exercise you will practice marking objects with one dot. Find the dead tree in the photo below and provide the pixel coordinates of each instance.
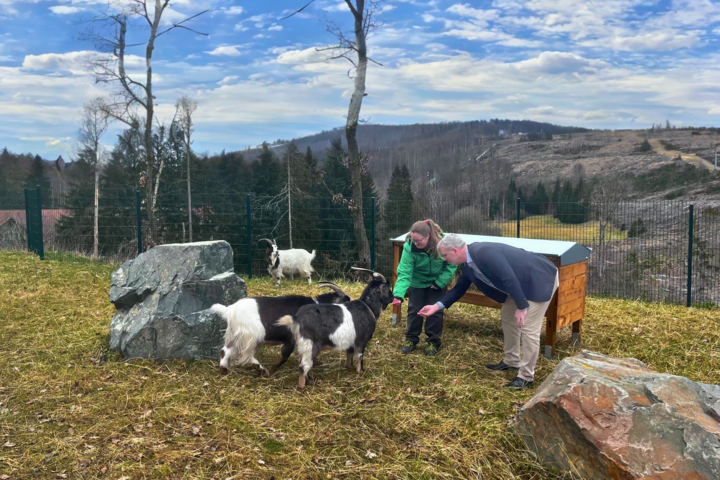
(608, 195)
(93, 125)
(354, 50)
(185, 108)
(109, 32)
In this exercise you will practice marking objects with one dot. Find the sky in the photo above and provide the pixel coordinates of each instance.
(257, 77)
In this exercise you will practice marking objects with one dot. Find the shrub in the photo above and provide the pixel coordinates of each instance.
(637, 228)
(645, 146)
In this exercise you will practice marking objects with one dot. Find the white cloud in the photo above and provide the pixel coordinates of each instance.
(659, 41)
(225, 51)
(65, 9)
(308, 55)
(275, 28)
(554, 63)
(237, 10)
(229, 80)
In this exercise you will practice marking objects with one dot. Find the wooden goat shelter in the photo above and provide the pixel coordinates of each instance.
(567, 306)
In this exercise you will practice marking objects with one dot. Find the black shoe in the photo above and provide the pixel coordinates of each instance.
(407, 347)
(501, 367)
(431, 350)
(519, 383)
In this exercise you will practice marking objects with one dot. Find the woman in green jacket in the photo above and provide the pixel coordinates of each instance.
(424, 274)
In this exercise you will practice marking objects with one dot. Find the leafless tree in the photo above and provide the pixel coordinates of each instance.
(354, 50)
(93, 125)
(109, 32)
(607, 196)
(185, 107)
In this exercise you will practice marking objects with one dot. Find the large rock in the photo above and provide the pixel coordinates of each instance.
(608, 418)
(163, 296)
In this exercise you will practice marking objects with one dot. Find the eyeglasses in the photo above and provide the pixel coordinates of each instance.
(418, 242)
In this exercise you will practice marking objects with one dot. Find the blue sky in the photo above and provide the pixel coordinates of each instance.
(597, 64)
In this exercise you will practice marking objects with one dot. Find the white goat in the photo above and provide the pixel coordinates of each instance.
(291, 262)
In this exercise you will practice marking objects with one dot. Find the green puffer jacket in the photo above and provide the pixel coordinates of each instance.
(417, 269)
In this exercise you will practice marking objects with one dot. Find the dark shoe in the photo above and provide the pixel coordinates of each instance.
(501, 367)
(431, 350)
(519, 383)
(407, 347)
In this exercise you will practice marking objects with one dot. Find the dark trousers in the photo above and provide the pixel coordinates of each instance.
(417, 299)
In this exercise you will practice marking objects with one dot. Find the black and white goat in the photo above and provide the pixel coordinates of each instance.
(292, 261)
(347, 327)
(252, 321)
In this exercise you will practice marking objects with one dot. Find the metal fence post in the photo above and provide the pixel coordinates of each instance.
(41, 246)
(518, 216)
(27, 217)
(249, 235)
(372, 242)
(690, 257)
(138, 216)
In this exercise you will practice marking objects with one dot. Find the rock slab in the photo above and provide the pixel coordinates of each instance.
(163, 296)
(614, 418)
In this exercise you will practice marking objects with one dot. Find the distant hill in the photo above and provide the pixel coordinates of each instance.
(421, 146)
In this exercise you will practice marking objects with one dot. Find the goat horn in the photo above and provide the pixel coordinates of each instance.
(267, 240)
(374, 274)
(331, 285)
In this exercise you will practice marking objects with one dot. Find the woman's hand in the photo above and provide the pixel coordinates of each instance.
(435, 287)
(396, 302)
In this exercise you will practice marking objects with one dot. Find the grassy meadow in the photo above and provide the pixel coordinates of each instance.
(69, 408)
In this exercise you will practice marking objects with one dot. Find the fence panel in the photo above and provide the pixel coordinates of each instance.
(640, 249)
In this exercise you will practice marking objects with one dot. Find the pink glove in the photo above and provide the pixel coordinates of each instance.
(396, 302)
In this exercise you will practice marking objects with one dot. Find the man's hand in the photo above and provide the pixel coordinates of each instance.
(520, 317)
(428, 310)
(435, 287)
(396, 302)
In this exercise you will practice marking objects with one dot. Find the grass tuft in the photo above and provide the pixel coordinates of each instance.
(69, 408)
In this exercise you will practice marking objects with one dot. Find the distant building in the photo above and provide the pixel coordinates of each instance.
(502, 132)
(60, 164)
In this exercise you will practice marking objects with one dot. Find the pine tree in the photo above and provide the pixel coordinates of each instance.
(538, 201)
(398, 209)
(298, 179)
(76, 229)
(266, 174)
(37, 178)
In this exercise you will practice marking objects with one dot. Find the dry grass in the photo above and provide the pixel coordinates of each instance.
(71, 409)
(547, 227)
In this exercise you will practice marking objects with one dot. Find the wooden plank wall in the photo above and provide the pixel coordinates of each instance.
(571, 294)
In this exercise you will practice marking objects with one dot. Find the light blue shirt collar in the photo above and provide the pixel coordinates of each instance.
(469, 258)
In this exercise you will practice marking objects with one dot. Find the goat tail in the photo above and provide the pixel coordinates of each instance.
(219, 309)
(312, 255)
(288, 321)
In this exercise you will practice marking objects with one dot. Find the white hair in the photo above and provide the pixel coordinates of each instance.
(451, 240)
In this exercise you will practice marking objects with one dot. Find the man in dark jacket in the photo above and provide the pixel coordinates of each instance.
(523, 282)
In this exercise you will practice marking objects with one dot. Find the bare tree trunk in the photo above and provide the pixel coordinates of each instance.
(97, 205)
(351, 126)
(289, 184)
(189, 196)
(149, 117)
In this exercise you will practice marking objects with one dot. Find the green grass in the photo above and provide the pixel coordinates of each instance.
(71, 409)
(547, 227)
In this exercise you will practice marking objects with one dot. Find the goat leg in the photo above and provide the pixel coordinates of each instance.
(359, 365)
(349, 359)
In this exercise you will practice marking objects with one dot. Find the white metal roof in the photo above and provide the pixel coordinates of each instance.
(569, 252)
